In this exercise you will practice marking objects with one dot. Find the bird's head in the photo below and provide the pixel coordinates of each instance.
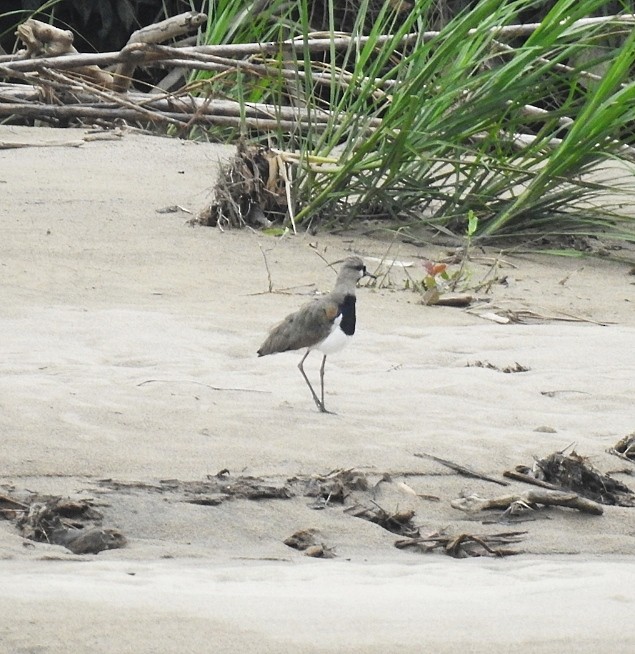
(352, 270)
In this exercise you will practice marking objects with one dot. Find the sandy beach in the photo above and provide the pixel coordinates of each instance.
(129, 368)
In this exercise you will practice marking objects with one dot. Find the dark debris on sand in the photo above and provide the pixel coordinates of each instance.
(463, 546)
(75, 524)
(568, 479)
(576, 473)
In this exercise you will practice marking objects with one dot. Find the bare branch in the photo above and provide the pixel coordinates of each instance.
(137, 52)
(160, 32)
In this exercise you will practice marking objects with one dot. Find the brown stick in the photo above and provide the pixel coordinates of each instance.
(520, 476)
(462, 470)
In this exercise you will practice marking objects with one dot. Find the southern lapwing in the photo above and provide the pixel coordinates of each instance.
(325, 324)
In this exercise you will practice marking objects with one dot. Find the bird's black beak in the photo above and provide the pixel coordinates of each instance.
(367, 274)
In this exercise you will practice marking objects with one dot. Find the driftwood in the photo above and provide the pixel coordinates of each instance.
(523, 316)
(46, 41)
(228, 113)
(158, 33)
(531, 498)
(313, 44)
(574, 473)
(522, 473)
(16, 145)
(454, 300)
(465, 545)
(83, 101)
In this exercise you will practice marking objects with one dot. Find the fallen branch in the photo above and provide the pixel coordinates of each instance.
(83, 94)
(526, 316)
(474, 503)
(160, 32)
(9, 145)
(519, 475)
(112, 113)
(112, 97)
(462, 470)
(315, 45)
(79, 99)
(465, 545)
(43, 41)
(460, 300)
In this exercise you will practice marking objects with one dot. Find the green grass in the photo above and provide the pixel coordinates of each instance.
(453, 111)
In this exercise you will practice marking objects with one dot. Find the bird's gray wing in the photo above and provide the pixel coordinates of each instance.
(304, 328)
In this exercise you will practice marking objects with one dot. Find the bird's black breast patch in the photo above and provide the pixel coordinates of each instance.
(347, 309)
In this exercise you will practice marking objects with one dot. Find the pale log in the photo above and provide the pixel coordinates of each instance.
(474, 503)
(157, 33)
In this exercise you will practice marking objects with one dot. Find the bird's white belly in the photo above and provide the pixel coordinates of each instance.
(334, 342)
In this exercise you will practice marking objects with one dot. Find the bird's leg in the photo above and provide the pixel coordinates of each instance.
(316, 399)
(323, 408)
(322, 380)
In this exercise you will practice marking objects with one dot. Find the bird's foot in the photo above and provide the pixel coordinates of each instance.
(323, 409)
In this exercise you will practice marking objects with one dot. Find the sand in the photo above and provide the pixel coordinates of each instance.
(128, 353)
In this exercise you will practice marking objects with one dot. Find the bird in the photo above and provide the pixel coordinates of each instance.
(325, 324)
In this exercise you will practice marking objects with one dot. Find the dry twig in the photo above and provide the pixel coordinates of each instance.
(465, 545)
(462, 470)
